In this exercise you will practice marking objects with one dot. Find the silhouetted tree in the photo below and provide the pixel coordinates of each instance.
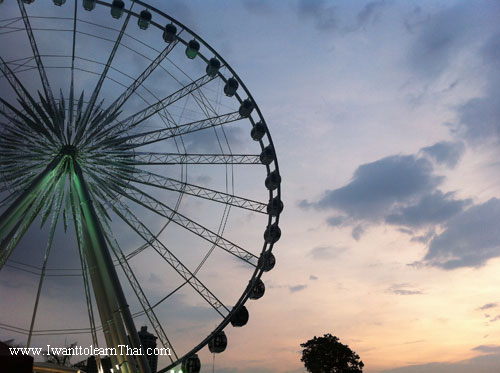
(327, 355)
(60, 359)
(10, 343)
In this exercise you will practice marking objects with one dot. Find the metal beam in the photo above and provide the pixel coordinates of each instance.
(43, 76)
(117, 104)
(150, 137)
(113, 308)
(16, 210)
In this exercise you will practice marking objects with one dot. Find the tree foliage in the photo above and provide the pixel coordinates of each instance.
(11, 343)
(60, 359)
(327, 355)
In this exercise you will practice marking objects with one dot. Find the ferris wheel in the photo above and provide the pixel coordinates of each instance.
(135, 162)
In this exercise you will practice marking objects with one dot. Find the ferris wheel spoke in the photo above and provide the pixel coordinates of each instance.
(7, 113)
(118, 103)
(18, 65)
(113, 309)
(12, 180)
(12, 196)
(36, 54)
(163, 114)
(16, 134)
(13, 144)
(178, 287)
(26, 101)
(58, 198)
(34, 119)
(11, 30)
(26, 164)
(33, 155)
(122, 260)
(103, 75)
(158, 158)
(72, 82)
(23, 223)
(17, 186)
(203, 103)
(9, 22)
(14, 82)
(88, 299)
(146, 306)
(96, 117)
(151, 137)
(22, 173)
(25, 201)
(163, 182)
(122, 211)
(137, 118)
(161, 209)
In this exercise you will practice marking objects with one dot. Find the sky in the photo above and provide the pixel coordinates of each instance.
(385, 120)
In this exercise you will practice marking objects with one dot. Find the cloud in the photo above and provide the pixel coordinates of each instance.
(433, 208)
(405, 230)
(478, 117)
(370, 12)
(357, 231)
(439, 40)
(332, 221)
(258, 6)
(406, 292)
(376, 187)
(413, 342)
(445, 152)
(486, 363)
(469, 239)
(253, 369)
(328, 17)
(487, 348)
(296, 288)
(323, 15)
(487, 306)
(246, 370)
(402, 289)
(400, 190)
(444, 36)
(425, 238)
(326, 252)
(490, 51)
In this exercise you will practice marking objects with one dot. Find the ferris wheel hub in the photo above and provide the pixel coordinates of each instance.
(70, 150)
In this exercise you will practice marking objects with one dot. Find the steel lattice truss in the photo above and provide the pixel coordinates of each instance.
(92, 145)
